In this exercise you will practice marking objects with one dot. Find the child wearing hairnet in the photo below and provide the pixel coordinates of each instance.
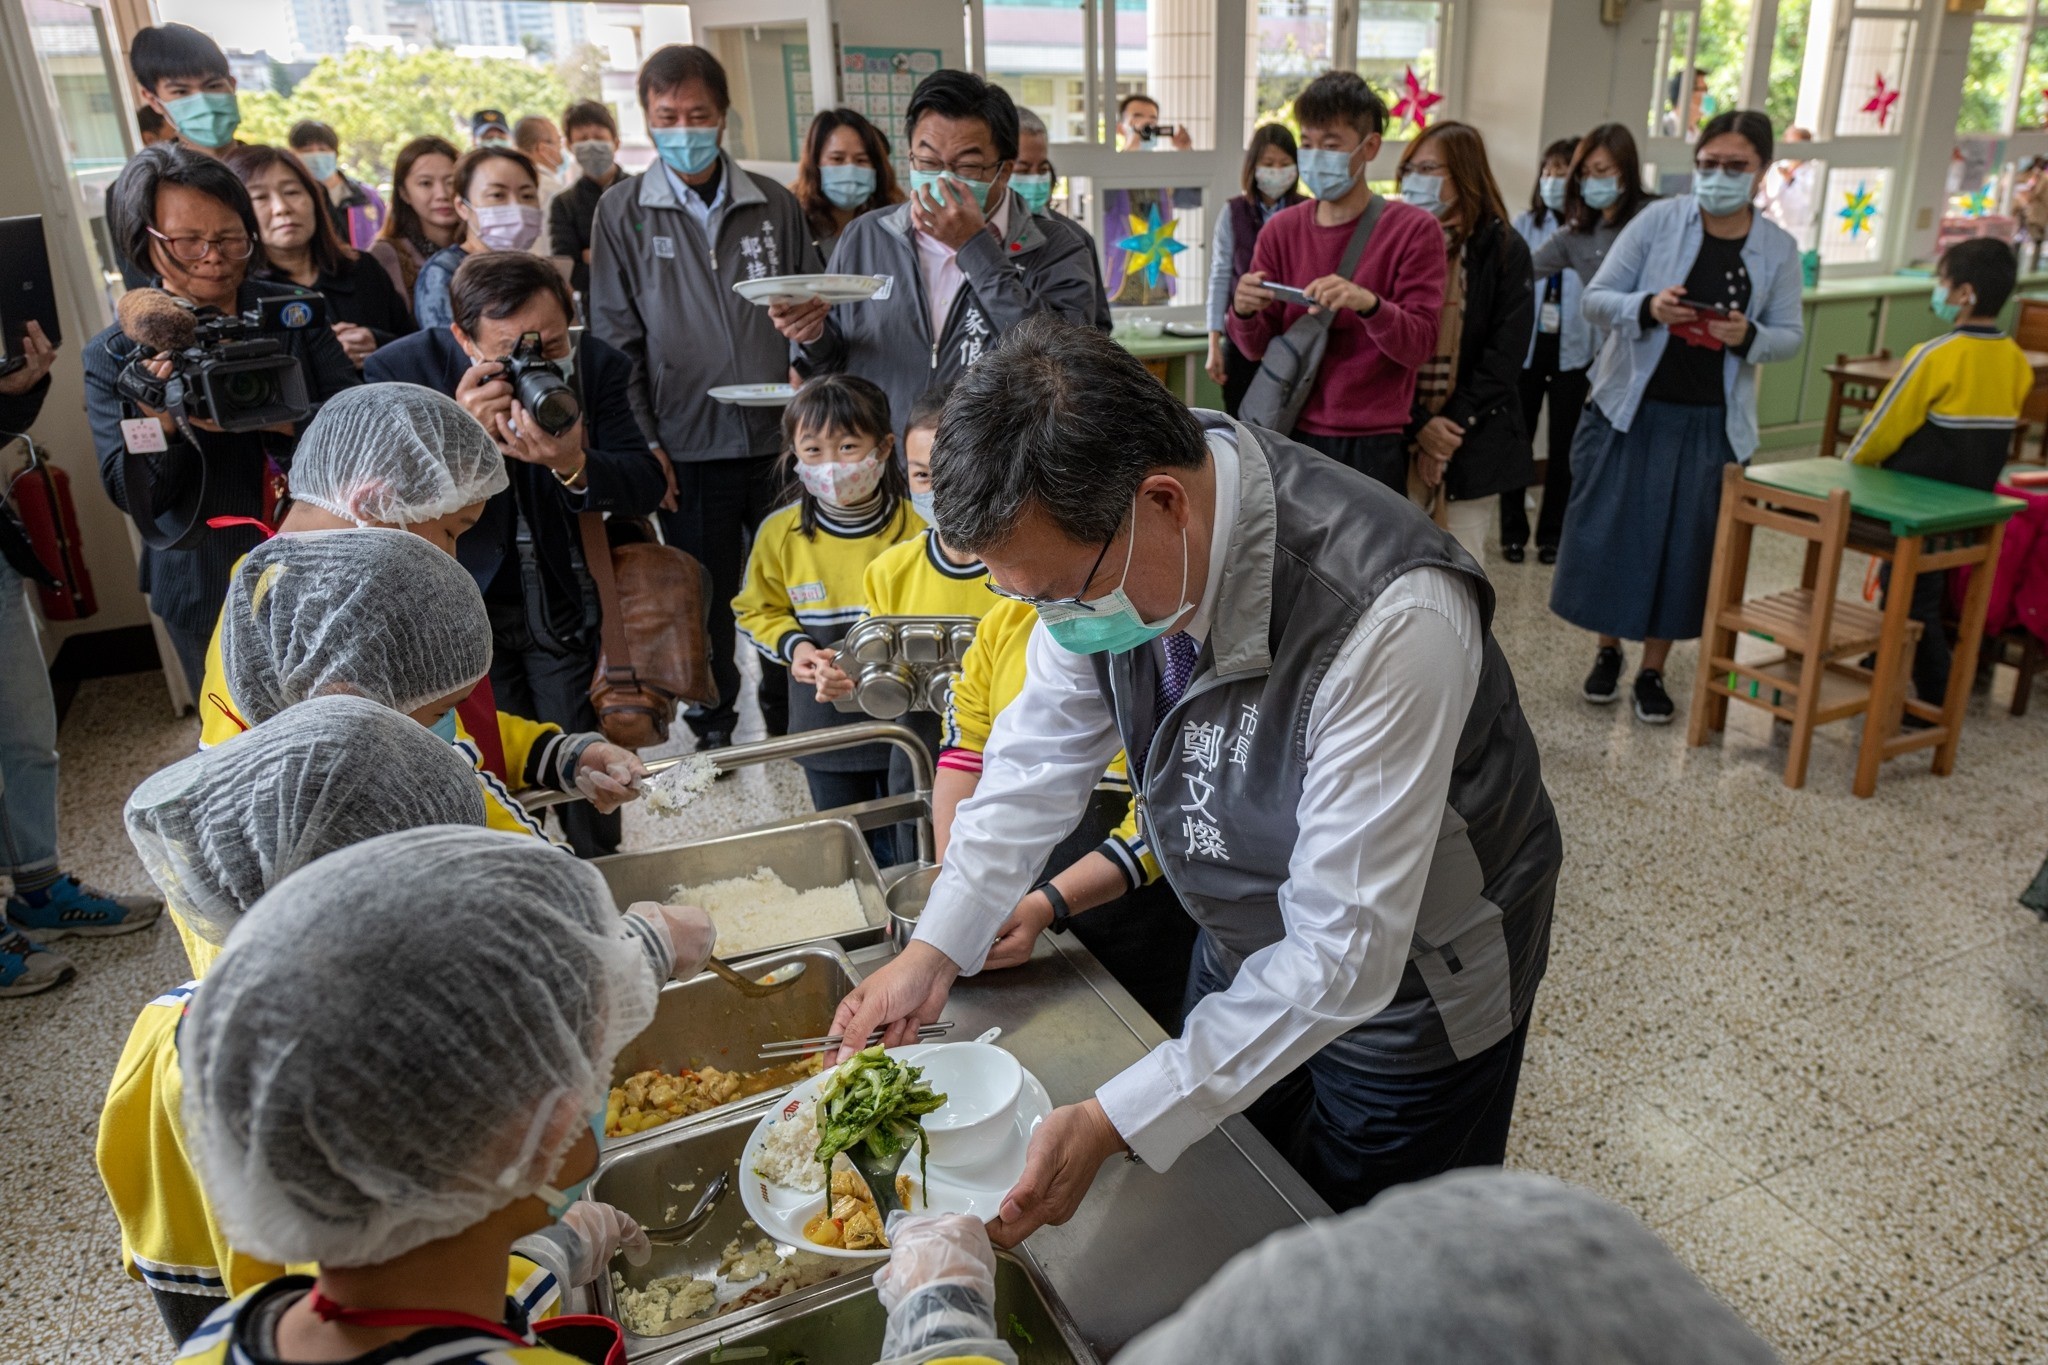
(382, 614)
(403, 1097)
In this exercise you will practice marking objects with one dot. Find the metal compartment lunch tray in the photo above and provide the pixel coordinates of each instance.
(805, 856)
(705, 1022)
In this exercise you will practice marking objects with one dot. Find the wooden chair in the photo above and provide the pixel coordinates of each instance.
(2030, 330)
(1850, 398)
(2022, 649)
(1813, 681)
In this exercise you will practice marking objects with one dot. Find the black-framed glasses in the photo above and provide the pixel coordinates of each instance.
(192, 250)
(966, 170)
(1075, 602)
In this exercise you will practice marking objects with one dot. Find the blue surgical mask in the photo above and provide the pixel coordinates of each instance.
(1425, 192)
(1111, 624)
(1600, 192)
(1034, 190)
(686, 151)
(1551, 188)
(848, 187)
(923, 181)
(323, 165)
(1943, 308)
(1721, 193)
(208, 117)
(445, 727)
(1327, 174)
(560, 1198)
(925, 507)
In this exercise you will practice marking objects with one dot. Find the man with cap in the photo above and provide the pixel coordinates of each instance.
(488, 128)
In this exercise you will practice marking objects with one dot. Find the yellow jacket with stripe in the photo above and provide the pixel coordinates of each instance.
(991, 676)
(223, 1339)
(1950, 412)
(916, 579)
(169, 1239)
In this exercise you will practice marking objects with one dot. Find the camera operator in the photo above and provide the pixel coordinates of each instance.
(186, 219)
(525, 551)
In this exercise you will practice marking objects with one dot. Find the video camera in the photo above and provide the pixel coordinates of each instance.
(231, 369)
(540, 387)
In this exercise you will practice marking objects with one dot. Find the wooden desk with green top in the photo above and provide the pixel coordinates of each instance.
(1919, 526)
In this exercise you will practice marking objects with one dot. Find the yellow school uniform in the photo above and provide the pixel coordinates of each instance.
(991, 677)
(214, 1343)
(169, 1239)
(813, 588)
(915, 579)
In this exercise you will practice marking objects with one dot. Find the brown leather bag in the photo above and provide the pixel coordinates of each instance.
(655, 653)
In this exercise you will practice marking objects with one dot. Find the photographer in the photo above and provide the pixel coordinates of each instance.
(186, 219)
(525, 551)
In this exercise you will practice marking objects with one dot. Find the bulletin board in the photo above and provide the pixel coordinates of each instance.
(877, 81)
(796, 85)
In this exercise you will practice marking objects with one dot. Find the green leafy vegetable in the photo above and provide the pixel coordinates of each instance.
(873, 1099)
(1021, 1332)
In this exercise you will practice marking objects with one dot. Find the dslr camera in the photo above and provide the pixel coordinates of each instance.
(539, 386)
(233, 369)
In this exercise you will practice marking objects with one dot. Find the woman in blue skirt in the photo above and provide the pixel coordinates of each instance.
(1696, 292)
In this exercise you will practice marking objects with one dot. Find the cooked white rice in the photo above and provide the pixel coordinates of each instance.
(680, 785)
(762, 911)
(789, 1153)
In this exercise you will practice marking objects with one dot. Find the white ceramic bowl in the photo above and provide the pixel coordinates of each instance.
(981, 1083)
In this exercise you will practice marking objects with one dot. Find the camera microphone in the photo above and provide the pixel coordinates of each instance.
(155, 321)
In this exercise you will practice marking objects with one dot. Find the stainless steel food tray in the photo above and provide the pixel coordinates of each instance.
(705, 1022)
(806, 856)
(841, 1324)
(641, 1177)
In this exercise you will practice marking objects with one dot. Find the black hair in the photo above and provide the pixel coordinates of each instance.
(311, 132)
(839, 403)
(962, 94)
(1264, 136)
(589, 114)
(465, 169)
(1750, 125)
(1988, 266)
(1560, 150)
(149, 122)
(496, 284)
(1061, 418)
(131, 204)
(1341, 97)
(169, 51)
(330, 250)
(928, 408)
(1123, 105)
(1671, 91)
(1620, 145)
(677, 65)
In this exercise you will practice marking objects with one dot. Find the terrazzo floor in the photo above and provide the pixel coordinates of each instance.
(1804, 1036)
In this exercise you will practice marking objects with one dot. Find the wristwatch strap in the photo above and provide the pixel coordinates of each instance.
(1062, 913)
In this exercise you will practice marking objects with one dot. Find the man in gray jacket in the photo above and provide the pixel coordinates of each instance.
(965, 258)
(665, 252)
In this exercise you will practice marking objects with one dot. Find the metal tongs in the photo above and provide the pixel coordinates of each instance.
(797, 1047)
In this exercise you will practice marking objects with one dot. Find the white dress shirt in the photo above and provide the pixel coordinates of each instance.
(1382, 733)
(707, 215)
(939, 265)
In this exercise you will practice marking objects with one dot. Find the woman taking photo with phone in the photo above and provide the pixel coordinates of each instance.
(1696, 292)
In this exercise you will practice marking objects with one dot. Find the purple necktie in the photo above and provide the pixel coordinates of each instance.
(1181, 653)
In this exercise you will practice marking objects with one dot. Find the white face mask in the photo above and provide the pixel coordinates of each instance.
(843, 483)
(507, 227)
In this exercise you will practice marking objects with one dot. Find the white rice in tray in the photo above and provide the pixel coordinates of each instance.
(762, 911)
(789, 1153)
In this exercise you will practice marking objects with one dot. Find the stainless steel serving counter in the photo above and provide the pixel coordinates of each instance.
(1143, 1241)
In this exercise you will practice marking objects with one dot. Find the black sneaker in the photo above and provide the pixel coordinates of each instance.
(1513, 554)
(1653, 703)
(1603, 684)
(1546, 554)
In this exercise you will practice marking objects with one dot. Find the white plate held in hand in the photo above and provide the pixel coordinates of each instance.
(976, 1191)
(797, 288)
(755, 395)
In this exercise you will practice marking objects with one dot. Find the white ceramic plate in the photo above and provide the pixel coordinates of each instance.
(795, 288)
(756, 395)
(975, 1190)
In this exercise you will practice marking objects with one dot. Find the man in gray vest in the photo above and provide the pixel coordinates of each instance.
(1332, 767)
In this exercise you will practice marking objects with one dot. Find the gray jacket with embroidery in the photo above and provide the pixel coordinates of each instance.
(662, 293)
(1043, 264)
(1315, 544)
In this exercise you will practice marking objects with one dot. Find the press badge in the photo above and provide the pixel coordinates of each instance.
(1549, 318)
(665, 247)
(888, 287)
(143, 436)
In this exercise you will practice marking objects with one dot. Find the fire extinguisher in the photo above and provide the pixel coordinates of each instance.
(41, 494)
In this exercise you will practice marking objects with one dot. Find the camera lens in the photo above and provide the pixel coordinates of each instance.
(248, 389)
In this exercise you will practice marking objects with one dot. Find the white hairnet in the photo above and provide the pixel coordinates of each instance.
(403, 1038)
(218, 829)
(375, 613)
(395, 454)
(1478, 1267)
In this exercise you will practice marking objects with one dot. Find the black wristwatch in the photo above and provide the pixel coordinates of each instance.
(1062, 913)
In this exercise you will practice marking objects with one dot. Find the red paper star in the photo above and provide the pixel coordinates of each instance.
(1881, 103)
(1416, 104)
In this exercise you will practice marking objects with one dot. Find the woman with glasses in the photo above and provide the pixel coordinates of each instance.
(186, 221)
(1695, 293)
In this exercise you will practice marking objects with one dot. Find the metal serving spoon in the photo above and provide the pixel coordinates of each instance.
(780, 979)
(707, 1204)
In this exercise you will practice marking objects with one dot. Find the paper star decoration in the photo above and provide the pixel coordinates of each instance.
(1859, 206)
(1977, 205)
(1881, 103)
(1151, 246)
(1417, 102)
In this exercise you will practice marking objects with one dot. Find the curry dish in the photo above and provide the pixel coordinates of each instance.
(649, 1099)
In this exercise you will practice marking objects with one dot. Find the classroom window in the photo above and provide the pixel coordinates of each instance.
(1854, 215)
(1873, 76)
(1788, 61)
(1987, 81)
(1397, 38)
(1291, 44)
(1699, 68)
